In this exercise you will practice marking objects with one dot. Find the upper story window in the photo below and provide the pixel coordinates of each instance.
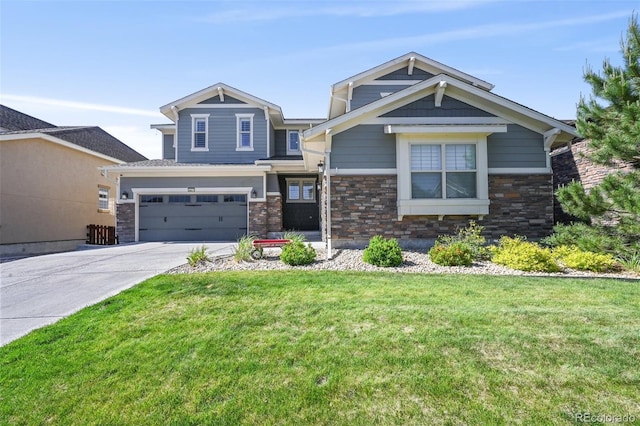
(443, 171)
(200, 133)
(245, 132)
(293, 142)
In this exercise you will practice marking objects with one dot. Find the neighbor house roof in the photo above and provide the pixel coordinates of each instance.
(11, 120)
(16, 125)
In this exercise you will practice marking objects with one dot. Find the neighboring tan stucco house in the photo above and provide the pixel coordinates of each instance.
(410, 149)
(51, 187)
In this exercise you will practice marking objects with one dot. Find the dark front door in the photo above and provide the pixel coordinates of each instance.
(300, 207)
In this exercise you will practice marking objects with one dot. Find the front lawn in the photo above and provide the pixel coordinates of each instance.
(334, 348)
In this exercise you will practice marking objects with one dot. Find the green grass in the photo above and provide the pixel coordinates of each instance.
(334, 348)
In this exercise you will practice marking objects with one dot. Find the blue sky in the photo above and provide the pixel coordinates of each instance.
(114, 63)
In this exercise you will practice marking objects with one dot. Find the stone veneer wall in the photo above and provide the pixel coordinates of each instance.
(364, 206)
(126, 222)
(258, 219)
(571, 163)
(274, 213)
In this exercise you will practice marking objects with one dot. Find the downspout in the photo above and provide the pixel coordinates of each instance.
(327, 169)
(175, 136)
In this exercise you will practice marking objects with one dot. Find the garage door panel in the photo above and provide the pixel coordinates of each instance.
(180, 221)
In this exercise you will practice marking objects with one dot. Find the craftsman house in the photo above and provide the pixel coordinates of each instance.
(410, 149)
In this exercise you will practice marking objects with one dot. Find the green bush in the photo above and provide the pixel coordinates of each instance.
(197, 256)
(242, 251)
(383, 252)
(574, 258)
(454, 254)
(516, 253)
(294, 236)
(472, 237)
(296, 253)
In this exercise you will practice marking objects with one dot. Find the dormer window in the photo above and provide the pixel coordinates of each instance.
(200, 134)
(293, 142)
(245, 132)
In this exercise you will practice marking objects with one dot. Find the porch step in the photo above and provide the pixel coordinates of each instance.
(311, 236)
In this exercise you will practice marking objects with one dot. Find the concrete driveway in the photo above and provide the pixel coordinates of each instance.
(40, 290)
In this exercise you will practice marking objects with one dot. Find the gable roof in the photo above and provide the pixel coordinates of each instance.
(497, 105)
(22, 126)
(411, 60)
(220, 90)
(12, 120)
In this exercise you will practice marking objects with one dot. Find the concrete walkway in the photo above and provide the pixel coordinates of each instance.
(40, 290)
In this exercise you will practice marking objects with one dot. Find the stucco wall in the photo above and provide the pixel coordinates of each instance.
(49, 192)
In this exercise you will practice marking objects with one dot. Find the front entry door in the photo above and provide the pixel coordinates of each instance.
(300, 206)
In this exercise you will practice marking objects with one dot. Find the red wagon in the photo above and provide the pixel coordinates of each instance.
(259, 245)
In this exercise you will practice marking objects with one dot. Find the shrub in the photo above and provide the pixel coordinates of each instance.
(242, 251)
(198, 256)
(296, 253)
(516, 253)
(383, 252)
(574, 258)
(631, 261)
(472, 237)
(294, 236)
(454, 254)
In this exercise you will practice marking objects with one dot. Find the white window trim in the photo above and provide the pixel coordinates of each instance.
(441, 207)
(300, 183)
(289, 150)
(239, 146)
(106, 190)
(193, 132)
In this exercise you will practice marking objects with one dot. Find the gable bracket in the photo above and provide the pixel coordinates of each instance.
(349, 96)
(550, 137)
(440, 93)
(221, 93)
(412, 62)
(266, 112)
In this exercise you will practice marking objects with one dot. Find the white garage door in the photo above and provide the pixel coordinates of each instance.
(215, 217)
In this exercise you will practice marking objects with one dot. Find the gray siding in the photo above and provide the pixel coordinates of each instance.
(518, 148)
(227, 100)
(126, 183)
(363, 95)
(222, 137)
(272, 183)
(403, 74)
(364, 147)
(168, 150)
(425, 107)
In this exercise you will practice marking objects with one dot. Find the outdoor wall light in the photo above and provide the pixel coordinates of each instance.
(124, 195)
(254, 193)
(320, 167)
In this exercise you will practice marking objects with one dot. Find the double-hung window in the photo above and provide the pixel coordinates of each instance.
(245, 132)
(103, 198)
(200, 133)
(293, 142)
(443, 171)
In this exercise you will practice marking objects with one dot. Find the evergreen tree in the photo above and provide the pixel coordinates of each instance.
(610, 120)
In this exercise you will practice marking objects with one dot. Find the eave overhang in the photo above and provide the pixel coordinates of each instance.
(500, 107)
